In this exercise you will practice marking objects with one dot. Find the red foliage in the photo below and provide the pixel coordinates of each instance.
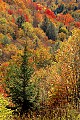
(10, 12)
(50, 13)
(39, 7)
(77, 24)
(26, 18)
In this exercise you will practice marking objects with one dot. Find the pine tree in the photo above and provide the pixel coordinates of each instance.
(45, 23)
(51, 31)
(49, 28)
(18, 85)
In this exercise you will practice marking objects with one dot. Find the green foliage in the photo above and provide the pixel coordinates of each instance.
(5, 114)
(65, 11)
(76, 15)
(45, 24)
(47, 89)
(34, 0)
(13, 36)
(49, 28)
(51, 31)
(3, 21)
(56, 46)
(78, 117)
(20, 21)
(64, 30)
(5, 40)
(59, 9)
(28, 29)
(63, 33)
(62, 36)
(5, 28)
(18, 85)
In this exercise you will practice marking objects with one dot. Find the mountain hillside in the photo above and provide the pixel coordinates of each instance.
(39, 59)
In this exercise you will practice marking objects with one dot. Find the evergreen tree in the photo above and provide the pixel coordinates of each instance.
(51, 31)
(20, 21)
(18, 85)
(49, 28)
(45, 23)
(59, 9)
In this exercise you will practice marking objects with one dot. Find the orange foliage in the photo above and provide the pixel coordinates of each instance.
(13, 20)
(0, 1)
(2, 6)
(66, 19)
(5, 64)
(20, 11)
(2, 91)
(38, 16)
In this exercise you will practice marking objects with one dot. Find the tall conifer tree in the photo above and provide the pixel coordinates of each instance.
(18, 85)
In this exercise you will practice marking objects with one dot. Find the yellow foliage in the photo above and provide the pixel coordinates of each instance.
(42, 54)
(1, 36)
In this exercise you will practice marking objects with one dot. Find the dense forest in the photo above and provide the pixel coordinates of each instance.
(39, 59)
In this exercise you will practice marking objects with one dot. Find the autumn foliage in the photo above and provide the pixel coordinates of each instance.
(39, 59)
(77, 24)
(66, 19)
